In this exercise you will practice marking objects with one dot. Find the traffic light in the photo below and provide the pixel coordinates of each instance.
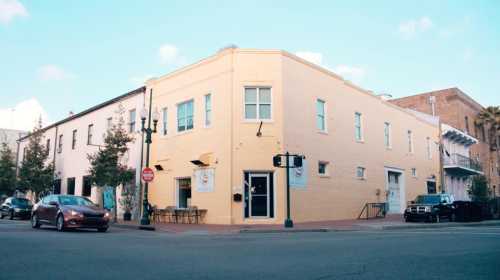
(277, 161)
(297, 161)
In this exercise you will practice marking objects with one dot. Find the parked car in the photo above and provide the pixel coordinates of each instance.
(14, 207)
(69, 211)
(431, 208)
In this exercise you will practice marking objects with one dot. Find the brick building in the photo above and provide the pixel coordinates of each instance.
(457, 109)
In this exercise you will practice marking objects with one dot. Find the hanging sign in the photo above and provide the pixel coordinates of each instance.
(204, 179)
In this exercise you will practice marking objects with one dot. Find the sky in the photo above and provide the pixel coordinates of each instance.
(61, 56)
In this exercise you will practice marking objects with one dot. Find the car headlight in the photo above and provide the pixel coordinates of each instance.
(107, 215)
(408, 209)
(75, 213)
(17, 210)
(427, 209)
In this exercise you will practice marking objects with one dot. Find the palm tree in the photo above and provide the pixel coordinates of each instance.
(490, 118)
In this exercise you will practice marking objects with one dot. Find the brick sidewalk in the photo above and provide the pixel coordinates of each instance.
(226, 229)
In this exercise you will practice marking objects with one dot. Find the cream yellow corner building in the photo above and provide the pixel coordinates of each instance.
(225, 117)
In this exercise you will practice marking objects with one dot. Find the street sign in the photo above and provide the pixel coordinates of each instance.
(147, 174)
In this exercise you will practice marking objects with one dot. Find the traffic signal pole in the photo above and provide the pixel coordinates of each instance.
(288, 221)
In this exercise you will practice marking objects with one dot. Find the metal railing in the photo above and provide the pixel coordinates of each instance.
(373, 211)
(462, 161)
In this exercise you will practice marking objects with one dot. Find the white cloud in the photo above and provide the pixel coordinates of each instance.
(170, 54)
(9, 9)
(353, 73)
(52, 72)
(409, 29)
(23, 116)
(313, 57)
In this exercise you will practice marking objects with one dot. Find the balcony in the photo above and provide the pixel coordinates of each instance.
(461, 165)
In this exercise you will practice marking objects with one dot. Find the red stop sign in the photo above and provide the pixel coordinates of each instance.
(147, 174)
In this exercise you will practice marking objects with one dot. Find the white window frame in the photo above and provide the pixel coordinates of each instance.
(258, 104)
(132, 121)
(164, 121)
(90, 133)
(177, 116)
(319, 100)
(208, 109)
(363, 177)
(361, 136)
(409, 135)
(387, 135)
(109, 123)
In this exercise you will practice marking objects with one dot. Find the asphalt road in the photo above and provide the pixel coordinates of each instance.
(448, 253)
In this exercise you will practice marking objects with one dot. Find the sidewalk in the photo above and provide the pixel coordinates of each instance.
(391, 222)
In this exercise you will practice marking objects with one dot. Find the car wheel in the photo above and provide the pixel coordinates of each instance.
(60, 223)
(34, 221)
(11, 215)
(102, 229)
(453, 217)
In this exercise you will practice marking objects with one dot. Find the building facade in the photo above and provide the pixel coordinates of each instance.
(10, 136)
(225, 117)
(457, 165)
(71, 140)
(458, 110)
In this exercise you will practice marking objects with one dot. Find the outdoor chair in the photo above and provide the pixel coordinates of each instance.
(170, 214)
(193, 214)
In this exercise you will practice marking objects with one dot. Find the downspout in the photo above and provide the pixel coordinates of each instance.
(141, 196)
(54, 160)
(441, 160)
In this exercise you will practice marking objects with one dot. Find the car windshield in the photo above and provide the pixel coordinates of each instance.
(428, 199)
(21, 202)
(74, 200)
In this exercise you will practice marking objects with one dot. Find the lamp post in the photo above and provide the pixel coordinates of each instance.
(146, 114)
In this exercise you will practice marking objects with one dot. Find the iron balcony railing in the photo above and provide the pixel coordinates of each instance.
(462, 161)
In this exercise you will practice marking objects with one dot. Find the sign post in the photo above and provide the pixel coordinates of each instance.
(297, 162)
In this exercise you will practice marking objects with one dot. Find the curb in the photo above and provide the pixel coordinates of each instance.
(285, 230)
(430, 226)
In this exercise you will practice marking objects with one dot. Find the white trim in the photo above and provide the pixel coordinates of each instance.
(402, 186)
(205, 110)
(325, 113)
(177, 116)
(389, 135)
(258, 119)
(361, 127)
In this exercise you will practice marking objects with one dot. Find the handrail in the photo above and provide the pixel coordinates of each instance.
(373, 210)
(462, 161)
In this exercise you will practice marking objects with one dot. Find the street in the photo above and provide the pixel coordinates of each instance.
(448, 253)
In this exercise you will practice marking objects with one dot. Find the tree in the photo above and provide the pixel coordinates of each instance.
(35, 174)
(489, 118)
(106, 165)
(478, 191)
(7, 170)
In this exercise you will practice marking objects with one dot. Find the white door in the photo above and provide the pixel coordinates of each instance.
(394, 196)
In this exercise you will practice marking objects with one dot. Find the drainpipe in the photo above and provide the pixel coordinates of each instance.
(441, 160)
(54, 160)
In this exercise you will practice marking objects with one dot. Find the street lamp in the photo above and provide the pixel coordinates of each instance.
(146, 114)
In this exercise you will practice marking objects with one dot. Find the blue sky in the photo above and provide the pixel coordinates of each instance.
(61, 56)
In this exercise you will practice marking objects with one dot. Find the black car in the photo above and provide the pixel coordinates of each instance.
(14, 207)
(431, 208)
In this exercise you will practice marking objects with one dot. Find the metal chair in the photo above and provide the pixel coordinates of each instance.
(193, 214)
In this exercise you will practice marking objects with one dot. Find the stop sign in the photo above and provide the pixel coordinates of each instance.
(147, 174)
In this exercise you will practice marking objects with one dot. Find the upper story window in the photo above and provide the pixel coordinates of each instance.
(323, 168)
(414, 172)
(410, 141)
(466, 119)
(429, 148)
(185, 112)
(60, 144)
(131, 120)
(73, 140)
(208, 110)
(320, 115)
(24, 153)
(90, 134)
(47, 146)
(358, 129)
(109, 123)
(257, 103)
(387, 135)
(164, 121)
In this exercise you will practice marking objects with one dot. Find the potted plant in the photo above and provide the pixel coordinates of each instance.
(127, 201)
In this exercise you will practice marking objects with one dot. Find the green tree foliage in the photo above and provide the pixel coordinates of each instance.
(106, 167)
(35, 174)
(7, 170)
(479, 191)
